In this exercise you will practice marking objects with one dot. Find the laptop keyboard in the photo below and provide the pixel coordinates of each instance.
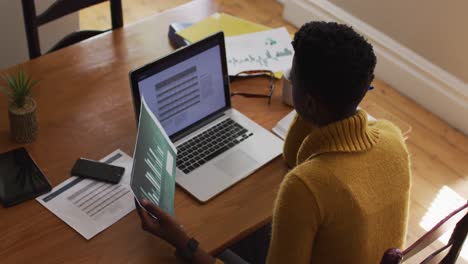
(210, 144)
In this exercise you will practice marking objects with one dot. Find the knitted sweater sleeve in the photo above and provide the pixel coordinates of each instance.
(295, 222)
(298, 130)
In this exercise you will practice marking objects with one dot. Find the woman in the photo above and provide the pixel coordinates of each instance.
(346, 198)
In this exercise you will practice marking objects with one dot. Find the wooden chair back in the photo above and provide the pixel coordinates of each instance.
(58, 9)
(456, 221)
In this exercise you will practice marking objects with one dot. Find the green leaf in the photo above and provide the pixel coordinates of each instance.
(21, 86)
(11, 82)
(19, 80)
(21, 75)
(30, 83)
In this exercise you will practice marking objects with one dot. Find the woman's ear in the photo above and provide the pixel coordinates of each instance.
(312, 105)
(318, 112)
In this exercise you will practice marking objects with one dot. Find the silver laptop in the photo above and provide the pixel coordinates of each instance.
(188, 91)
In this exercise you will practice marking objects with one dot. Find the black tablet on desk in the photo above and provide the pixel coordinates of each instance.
(20, 178)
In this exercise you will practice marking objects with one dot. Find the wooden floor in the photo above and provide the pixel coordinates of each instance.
(439, 153)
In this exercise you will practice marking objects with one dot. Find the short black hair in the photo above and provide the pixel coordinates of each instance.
(335, 63)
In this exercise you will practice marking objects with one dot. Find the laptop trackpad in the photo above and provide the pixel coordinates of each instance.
(236, 162)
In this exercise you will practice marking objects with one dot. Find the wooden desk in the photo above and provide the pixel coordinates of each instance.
(85, 109)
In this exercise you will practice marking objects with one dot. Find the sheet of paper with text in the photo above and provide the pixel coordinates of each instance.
(154, 159)
(265, 50)
(90, 206)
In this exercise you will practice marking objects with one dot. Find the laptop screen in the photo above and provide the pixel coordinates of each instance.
(187, 90)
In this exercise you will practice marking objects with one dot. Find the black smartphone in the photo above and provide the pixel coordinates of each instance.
(97, 170)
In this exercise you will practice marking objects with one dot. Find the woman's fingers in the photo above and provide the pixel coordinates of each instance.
(148, 223)
(155, 211)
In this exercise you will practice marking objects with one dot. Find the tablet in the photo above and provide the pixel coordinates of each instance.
(20, 178)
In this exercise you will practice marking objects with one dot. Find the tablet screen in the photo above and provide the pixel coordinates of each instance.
(20, 178)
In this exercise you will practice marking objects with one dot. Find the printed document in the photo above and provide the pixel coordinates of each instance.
(154, 170)
(265, 50)
(90, 206)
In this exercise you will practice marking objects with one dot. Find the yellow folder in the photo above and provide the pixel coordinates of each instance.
(232, 26)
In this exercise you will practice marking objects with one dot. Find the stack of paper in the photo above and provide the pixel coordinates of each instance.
(282, 127)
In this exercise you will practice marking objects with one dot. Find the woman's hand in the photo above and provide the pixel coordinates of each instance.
(168, 229)
(164, 226)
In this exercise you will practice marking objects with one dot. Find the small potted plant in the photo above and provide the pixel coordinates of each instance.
(21, 107)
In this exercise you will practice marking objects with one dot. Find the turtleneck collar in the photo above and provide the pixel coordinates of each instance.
(348, 135)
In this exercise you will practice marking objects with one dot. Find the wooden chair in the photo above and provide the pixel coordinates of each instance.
(457, 220)
(57, 10)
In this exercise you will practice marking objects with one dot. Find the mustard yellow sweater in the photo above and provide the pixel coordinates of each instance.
(346, 198)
